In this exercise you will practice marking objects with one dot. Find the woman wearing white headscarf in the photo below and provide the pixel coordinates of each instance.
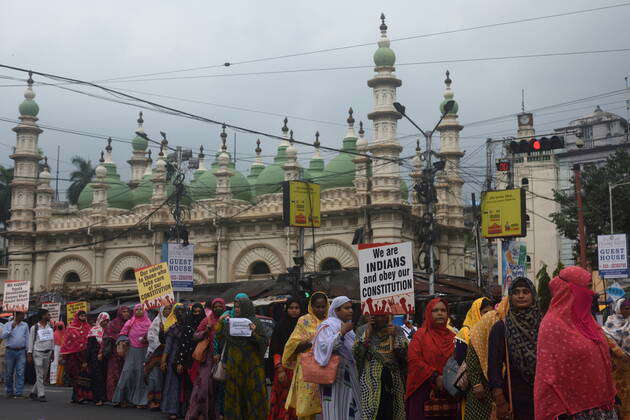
(341, 399)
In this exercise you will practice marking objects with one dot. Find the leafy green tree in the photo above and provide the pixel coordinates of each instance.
(544, 294)
(595, 201)
(79, 178)
(6, 176)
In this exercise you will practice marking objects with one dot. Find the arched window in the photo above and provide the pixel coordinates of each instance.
(71, 277)
(330, 264)
(129, 275)
(258, 268)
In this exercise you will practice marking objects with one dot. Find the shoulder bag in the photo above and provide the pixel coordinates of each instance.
(219, 372)
(314, 373)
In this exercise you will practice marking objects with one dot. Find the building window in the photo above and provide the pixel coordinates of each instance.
(525, 183)
(258, 268)
(71, 277)
(129, 275)
(330, 264)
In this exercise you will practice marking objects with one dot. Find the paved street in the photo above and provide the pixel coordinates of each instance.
(59, 408)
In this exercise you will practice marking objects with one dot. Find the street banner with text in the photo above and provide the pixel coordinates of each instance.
(54, 308)
(386, 279)
(154, 286)
(16, 295)
(180, 259)
(73, 307)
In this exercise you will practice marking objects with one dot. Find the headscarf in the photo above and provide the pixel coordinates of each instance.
(327, 332)
(195, 320)
(521, 331)
(284, 329)
(472, 317)
(59, 333)
(136, 328)
(187, 331)
(97, 331)
(618, 328)
(113, 328)
(429, 349)
(76, 335)
(579, 281)
(155, 330)
(246, 310)
(573, 371)
(211, 318)
(171, 319)
(238, 296)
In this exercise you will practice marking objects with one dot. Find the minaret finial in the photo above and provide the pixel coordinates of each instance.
(223, 139)
(350, 118)
(285, 128)
(140, 119)
(418, 145)
(102, 159)
(522, 100)
(383, 25)
(448, 80)
(317, 143)
(258, 150)
(361, 130)
(161, 154)
(291, 136)
(164, 141)
(30, 79)
(149, 157)
(201, 155)
(109, 145)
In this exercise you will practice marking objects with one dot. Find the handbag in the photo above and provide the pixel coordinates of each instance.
(454, 377)
(461, 380)
(314, 373)
(201, 351)
(219, 372)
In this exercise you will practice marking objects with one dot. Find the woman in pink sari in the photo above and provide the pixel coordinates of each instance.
(112, 359)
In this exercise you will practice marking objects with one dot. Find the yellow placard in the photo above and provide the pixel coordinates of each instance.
(154, 286)
(73, 307)
(302, 204)
(503, 213)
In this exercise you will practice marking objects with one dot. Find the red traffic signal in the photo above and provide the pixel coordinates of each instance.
(536, 145)
(503, 165)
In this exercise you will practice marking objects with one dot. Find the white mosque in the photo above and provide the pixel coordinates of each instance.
(235, 220)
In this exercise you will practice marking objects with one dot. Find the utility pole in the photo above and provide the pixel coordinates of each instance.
(580, 214)
(477, 240)
(489, 188)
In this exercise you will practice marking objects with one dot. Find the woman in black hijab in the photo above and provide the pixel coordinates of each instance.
(282, 378)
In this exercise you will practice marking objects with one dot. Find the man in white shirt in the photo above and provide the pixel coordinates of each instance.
(40, 352)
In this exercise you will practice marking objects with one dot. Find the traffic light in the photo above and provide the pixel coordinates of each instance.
(536, 144)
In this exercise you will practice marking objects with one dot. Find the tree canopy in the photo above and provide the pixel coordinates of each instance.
(595, 203)
(79, 178)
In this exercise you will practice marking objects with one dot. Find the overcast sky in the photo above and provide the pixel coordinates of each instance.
(101, 40)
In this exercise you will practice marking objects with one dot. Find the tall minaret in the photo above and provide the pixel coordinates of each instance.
(450, 206)
(386, 172)
(138, 161)
(223, 174)
(361, 179)
(23, 188)
(291, 167)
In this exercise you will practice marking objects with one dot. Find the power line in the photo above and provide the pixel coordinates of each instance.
(365, 44)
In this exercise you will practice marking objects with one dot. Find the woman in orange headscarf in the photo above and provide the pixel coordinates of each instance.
(430, 348)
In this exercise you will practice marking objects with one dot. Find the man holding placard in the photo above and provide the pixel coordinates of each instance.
(16, 335)
(40, 347)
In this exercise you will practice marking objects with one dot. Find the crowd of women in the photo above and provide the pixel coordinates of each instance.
(507, 361)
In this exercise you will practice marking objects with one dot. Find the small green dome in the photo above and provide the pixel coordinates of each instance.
(384, 57)
(144, 191)
(29, 107)
(340, 170)
(204, 186)
(254, 171)
(119, 195)
(239, 185)
(139, 143)
(453, 111)
(269, 179)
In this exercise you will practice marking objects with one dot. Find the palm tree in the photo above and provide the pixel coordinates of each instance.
(79, 178)
(6, 176)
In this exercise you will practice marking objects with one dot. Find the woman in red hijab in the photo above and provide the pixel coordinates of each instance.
(573, 369)
(428, 352)
(75, 357)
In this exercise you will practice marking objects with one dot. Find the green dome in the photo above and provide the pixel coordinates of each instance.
(204, 184)
(29, 107)
(254, 171)
(139, 143)
(315, 170)
(269, 179)
(404, 190)
(119, 195)
(452, 111)
(144, 191)
(340, 170)
(384, 57)
(239, 185)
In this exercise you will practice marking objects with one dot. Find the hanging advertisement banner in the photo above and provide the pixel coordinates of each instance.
(16, 295)
(612, 256)
(180, 260)
(54, 309)
(513, 262)
(154, 286)
(386, 279)
(301, 202)
(503, 213)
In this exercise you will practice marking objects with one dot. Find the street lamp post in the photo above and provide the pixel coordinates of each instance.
(448, 106)
(612, 186)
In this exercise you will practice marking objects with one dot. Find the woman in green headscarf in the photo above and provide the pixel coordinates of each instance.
(245, 387)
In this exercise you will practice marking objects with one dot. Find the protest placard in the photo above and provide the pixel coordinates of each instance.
(386, 279)
(54, 308)
(154, 286)
(73, 307)
(239, 327)
(16, 295)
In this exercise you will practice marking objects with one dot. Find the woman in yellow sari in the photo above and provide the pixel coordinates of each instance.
(304, 397)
